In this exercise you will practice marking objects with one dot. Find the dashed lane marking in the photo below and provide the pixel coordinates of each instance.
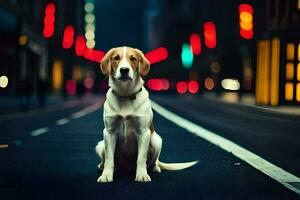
(87, 110)
(39, 131)
(62, 121)
(285, 178)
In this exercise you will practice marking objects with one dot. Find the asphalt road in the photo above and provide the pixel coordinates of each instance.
(59, 162)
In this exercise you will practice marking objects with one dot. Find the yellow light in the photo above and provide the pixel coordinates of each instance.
(289, 91)
(57, 74)
(299, 52)
(209, 83)
(274, 83)
(3, 81)
(3, 146)
(89, 18)
(90, 35)
(298, 5)
(77, 73)
(23, 39)
(246, 25)
(246, 17)
(289, 71)
(90, 27)
(298, 92)
(90, 44)
(263, 72)
(290, 51)
(298, 72)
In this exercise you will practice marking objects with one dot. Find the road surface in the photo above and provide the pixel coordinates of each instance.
(50, 154)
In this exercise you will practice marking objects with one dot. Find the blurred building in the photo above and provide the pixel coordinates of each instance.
(174, 21)
(278, 54)
(38, 42)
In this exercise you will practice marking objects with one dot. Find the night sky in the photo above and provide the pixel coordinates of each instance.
(119, 23)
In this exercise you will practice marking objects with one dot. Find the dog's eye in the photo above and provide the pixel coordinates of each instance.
(132, 59)
(117, 58)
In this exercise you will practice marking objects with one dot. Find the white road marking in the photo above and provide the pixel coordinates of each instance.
(62, 121)
(285, 178)
(39, 131)
(87, 110)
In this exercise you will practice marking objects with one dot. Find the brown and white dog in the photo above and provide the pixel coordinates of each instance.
(129, 138)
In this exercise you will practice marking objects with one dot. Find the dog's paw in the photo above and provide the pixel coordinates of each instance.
(105, 178)
(156, 168)
(142, 177)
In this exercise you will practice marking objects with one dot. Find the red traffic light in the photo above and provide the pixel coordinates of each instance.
(157, 55)
(246, 21)
(210, 36)
(68, 37)
(195, 43)
(49, 20)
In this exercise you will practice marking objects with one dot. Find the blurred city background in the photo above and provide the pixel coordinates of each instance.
(249, 47)
(229, 66)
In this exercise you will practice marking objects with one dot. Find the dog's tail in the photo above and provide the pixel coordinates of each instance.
(176, 166)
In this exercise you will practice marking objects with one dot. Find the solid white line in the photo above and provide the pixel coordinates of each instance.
(285, 178)
(62, 121)
(39, 131)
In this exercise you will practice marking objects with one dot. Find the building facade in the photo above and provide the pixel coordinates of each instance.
(278, 55)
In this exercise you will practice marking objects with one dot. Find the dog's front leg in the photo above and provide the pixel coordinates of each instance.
(110, 145)
(143, 146)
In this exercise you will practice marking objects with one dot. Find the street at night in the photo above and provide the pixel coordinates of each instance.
(152, 99)
(60, 162)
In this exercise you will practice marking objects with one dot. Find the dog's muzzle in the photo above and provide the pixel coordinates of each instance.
(124, 74)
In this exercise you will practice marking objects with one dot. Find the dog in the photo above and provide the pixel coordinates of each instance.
(129, 138)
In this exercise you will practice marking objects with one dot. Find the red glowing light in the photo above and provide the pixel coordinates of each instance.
(97, 55)
(50, 9)
(155, 84)
(88, 54)
(165, 84)
(88, 83)
(49, 20)
(245, 8)
(157, 55)
(195, 43)
(246, 21)
(193, 87)
(181, 87)
(93, 55)
(80, 46)
(68, 37)
(210, 37)
(246, 34)
(71, 87)
(48, 31)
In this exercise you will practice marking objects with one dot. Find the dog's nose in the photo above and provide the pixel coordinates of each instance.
(124, 71)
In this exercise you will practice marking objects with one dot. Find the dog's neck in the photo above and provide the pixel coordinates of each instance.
(127, 88)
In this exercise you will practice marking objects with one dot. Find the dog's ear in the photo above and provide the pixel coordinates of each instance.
(105, 64)
(144, 65)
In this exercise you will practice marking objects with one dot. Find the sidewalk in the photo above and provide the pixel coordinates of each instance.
(249, 100)
(11, 106)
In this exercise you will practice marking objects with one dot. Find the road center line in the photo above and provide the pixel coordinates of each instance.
(62, 121)
(87, 110)
(39, 131)
(283, 177)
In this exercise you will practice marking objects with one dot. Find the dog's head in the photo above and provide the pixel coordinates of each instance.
(124, 63)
